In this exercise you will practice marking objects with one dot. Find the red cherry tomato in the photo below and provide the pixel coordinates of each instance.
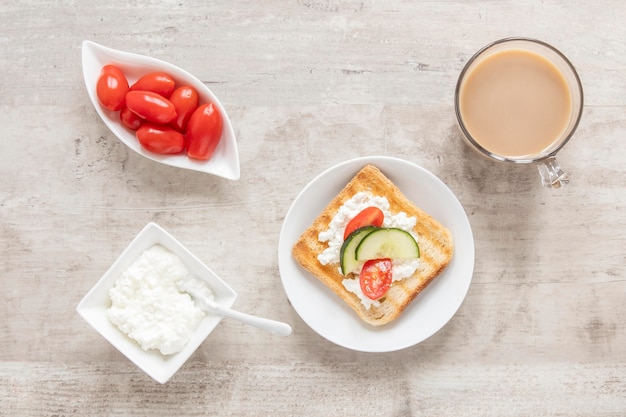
(130, 119)
(111, 87)
(204, 131)
(151, 106)
(375, 278)
(157, 82)
(160, 139)
(369, 216)
(185, 99)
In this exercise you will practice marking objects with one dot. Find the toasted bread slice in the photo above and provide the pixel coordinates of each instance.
(435, 243)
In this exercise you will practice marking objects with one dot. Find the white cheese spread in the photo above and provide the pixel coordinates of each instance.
(147, 305)
(334, 237)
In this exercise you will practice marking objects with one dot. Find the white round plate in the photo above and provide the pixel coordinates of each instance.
(225, 160)
(326, 313)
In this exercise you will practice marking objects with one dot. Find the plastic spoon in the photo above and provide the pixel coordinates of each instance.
(272, 326)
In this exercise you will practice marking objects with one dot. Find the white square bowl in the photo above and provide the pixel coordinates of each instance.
(94, 305)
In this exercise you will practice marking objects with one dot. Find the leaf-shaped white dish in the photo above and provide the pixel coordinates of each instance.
(225, 160)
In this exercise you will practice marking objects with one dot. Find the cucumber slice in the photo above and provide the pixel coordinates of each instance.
(387, 243)
(347, 254)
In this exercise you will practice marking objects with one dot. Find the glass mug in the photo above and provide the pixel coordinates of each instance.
(519, 100)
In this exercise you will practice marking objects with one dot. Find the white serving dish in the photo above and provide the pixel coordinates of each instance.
(225, 160)
(93, 306)
(326, 313)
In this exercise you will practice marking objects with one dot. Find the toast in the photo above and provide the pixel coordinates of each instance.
(435, 243)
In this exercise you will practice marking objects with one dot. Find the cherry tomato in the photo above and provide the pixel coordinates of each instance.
(157, 82)
(185, 99)
(111, 87)
(130, 119)
(375, 278)
(204, 131)
(151, 106)
(160, 139)
(369, 216)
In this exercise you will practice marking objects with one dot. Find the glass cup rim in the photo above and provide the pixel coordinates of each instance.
(480, 52)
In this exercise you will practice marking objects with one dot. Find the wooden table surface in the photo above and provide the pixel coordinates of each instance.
(309, 84)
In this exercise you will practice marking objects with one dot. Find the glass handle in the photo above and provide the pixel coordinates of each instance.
(552, 176)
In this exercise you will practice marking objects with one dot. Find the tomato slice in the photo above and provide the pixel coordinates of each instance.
(375, 278)
(369, 216)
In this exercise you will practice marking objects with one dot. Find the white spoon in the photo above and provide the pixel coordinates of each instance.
(272, 326)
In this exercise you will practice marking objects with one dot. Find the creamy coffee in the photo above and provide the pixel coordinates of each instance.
(515, 103)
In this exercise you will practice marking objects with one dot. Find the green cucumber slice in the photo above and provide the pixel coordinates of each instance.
(347, 254)
(391, 243)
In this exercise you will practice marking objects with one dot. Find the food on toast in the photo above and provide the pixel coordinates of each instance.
(374, 248)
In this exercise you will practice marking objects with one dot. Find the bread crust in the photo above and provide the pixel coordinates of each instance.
(434, 240)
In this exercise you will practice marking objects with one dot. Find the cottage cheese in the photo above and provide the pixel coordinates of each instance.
(334, 237)
(147, 305)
